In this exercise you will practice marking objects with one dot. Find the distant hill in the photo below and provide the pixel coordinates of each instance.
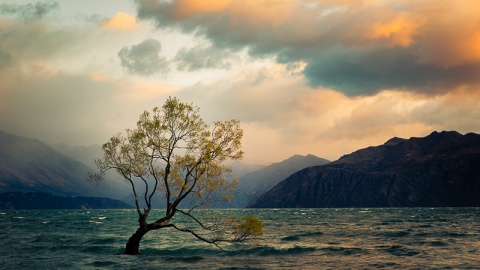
(253, 184)
(240, 169)
(28, 165)
(442, 169)
(84, 154)
(39, 200)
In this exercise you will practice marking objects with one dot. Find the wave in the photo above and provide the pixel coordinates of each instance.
(398, 250)
(457, 235)
(185, 259)
(181, 252)
(335, 239)
(267, 251)
(103, 264)
(190, 252)
(297, 237)
(396, 234)
(344, 250)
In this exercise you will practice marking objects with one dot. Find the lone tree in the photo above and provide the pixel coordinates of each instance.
(173, 155)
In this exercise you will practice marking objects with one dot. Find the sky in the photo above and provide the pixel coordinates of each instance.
(322, 77)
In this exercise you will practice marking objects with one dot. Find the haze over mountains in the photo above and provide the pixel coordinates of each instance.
(254, 179)
(255, 183)
(439, 170)
(28, 165)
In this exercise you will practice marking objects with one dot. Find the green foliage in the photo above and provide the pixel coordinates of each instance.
(247, 227)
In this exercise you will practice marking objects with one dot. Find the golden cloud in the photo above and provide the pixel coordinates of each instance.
(399, 31)
(121, 21)
(239, 13)
(186, 8)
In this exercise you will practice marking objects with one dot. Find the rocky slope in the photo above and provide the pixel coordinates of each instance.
(441, 169)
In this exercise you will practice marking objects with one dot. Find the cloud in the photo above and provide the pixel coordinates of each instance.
(121, 21)
(4, 59)
(321, 77)
(143, 59)
(357, 47)
(29, 11)
(282, 115)
(47, 89)
(398, 32)
(77, 109)
(372, 70)
(52, 106)
(202, 57)
(25, 42)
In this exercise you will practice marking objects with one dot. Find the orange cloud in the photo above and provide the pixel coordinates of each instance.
(399, 31)
(457, 49)
(121, 21)
(452, 34)
(186, 8)
(262, 13)
(239, 13)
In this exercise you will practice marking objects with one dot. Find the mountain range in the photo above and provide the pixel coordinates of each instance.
(29, 167)
(439, 170)
(254, 179)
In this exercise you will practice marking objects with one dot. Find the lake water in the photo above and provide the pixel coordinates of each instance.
(406, 238)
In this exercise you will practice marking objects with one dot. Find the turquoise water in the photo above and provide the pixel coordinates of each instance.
(406, 238)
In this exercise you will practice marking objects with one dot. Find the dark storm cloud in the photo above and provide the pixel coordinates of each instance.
(357, 47)
(143, 59)
(29, 11)
(366, 72)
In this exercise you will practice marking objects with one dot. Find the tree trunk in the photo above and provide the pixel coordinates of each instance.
(133, 244)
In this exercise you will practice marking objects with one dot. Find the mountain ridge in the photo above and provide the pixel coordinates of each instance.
(437, 170)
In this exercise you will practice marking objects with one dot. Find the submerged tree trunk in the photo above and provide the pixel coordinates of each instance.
(133, 244)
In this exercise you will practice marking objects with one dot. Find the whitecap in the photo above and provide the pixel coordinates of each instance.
(96, 222)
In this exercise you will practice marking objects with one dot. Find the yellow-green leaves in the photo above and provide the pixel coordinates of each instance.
(248, 226)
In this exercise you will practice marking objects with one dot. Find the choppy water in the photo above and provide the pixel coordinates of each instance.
(293, 239)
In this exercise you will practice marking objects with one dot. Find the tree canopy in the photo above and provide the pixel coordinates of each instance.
(175, 156)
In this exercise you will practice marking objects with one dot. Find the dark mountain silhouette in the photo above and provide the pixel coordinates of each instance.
(440, 170)
(39, 200)
(28, 165)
